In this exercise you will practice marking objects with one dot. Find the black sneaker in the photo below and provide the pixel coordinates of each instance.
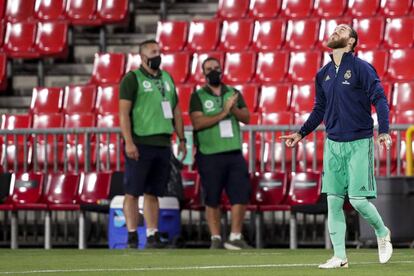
(237, 245)
(132, 240)
(154, 242)
(216, 244)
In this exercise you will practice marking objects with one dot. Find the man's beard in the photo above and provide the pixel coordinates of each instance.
(337, 44)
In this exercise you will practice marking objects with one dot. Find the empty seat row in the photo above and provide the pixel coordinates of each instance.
(77, 12)
(305, 8)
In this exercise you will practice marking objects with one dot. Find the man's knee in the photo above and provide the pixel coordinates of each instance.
(359, 203)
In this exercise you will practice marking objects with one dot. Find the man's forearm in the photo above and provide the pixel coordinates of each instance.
(241, 114)
(125, 123)
(202, 121)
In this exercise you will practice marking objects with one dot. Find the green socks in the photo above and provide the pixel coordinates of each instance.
(337, 224)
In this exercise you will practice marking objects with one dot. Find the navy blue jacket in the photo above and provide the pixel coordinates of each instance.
(343, 101)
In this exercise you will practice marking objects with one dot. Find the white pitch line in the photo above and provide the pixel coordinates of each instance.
(179, 268)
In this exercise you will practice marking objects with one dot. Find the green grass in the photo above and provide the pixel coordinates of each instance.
(196, 262)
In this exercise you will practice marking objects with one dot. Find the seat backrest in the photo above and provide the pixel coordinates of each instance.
(264, 8)
(330, 8)
(275, 98)
(297, 9)
(62, 188)
(239, 67)
(236, 35)
(10, 122)
(133, 62)
(79, 98)
(305, 188)
(203, 35)
(81, 9)
(112, 11)
(370, 32)
(191, 187)
(269, 34)
(50, 9)
(303, 66)
(400, 64)
(27, 187)
(177, 65)
(392, 8)
(271, 187)
(46, 100)
(399, 33)
(20, 36)
(48, 120)
(272, 66)
(228, 9)
(108, 120)
(250, 93)
(108, 68)
(303, 97)
(78, 120)
(377, 58)
(184, 92)
(52, 38)
(302, 34)
(172, 35)
(19, 10)
(363, 8)
(403, 96)
(94, 187)
(107, 99)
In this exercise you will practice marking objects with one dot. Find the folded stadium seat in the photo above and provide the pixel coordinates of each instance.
(46, 10)
(304, 65)
(82, 12)
(108, 68)
(303, 97)
(3, 72)
(79, 98)
(250, 92)
(403, 96)
(203, 35)
(192, 190)
(363, 8)
(254, 120)
(269, 34)
(330, 8)
(264, 8)
(107, 99)
(302, 34)
(2, 8)
(377, 58)
(172, 35)
(20, 40)
(239, 67)
(296, 9)
(370, 32)
(272, 66)
(110, 12)
(19, 10)
(391, 8)
(229, 9)
(236, 35)
(177, 65)
(275, 98)
(46, 100)
(198, 59)
(270, 196)
(27, 191)
(14, 154)
(400, 65)
(133, 62)
(52, 39)
(184, 92)
(107, 144)
(399, 33)
(305, 197)
(327, 28)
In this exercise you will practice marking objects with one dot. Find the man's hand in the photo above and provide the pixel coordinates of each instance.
(182, 149)
(291, 140)
(384, 139)
(131, 151)
(230, 103)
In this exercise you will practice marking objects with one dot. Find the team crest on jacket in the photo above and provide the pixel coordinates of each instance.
(347, 74)
(209, 105)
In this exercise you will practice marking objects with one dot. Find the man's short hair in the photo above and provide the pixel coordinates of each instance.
(354, 35)
(143, 44)
(207, 60)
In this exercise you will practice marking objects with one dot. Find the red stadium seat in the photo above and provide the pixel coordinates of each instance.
(2, 32)
(78, 120)
(395, 7)
(229, 9)
(20, 39)
(264, 8)
(363, 8)
(133, 62)
(399, 33)
(3, 72)
(192, 190)
(239, 67)
(46, 10)
(177, 65)
(113, 11)
(172, 35)
(370, 32)
(108, 68)
(198, 58)
(19, 10)
(272, 190)
(327, 28)
(107, 143)
(236, 35)
(10, 122)
(107, 99)
(46, 100)
(269, 35)
(61, 191)
(250, 92)
(330, 8)
(47, 120)
(302, 34)
(52, 39)
(377, 58)
(184, 92)
(272, 66)
(303, 97)
(203, 35)
(79, 98)
(400, 65)
(27, 191)
(2, 8)
(304, 65)
(297, 9)
(94, 186)
(108, 120)
(275, 98)
(82, 12)
(403, 96)
(305, 188)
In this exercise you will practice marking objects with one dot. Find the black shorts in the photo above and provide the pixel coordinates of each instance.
(150, 174)
(224, 171)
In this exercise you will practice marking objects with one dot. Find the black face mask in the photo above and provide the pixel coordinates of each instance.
(154, 63)
(214, 78)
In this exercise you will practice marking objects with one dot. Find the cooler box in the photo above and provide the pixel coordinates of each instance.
(169, 221)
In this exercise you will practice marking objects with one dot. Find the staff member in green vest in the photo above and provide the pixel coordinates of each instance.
(216, 110)
(149, 113)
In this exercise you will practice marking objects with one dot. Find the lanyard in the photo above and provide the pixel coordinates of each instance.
(160, 86)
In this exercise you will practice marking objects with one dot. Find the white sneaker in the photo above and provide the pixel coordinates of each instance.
(385, 248)
(334, 262)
